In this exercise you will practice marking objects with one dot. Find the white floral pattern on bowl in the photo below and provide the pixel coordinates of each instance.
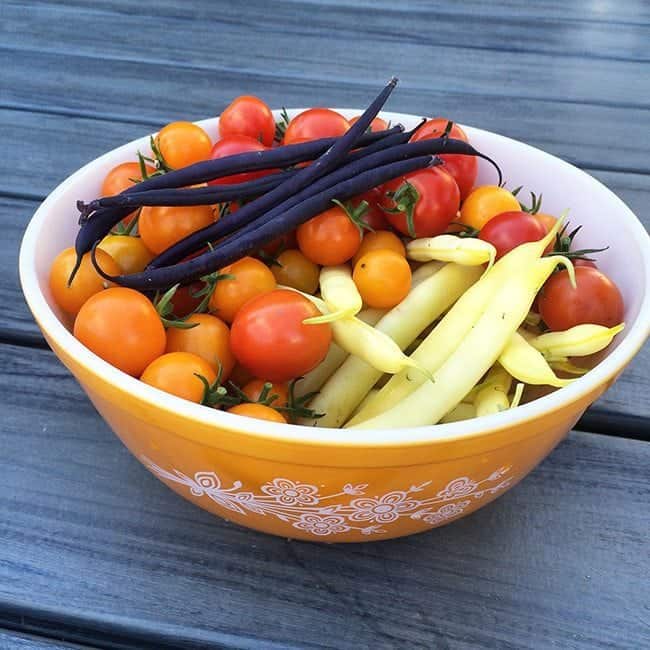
(301, 504)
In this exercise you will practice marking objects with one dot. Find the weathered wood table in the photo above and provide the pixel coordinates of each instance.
(95, 552)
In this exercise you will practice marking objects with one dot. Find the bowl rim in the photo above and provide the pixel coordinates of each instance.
(605, 371)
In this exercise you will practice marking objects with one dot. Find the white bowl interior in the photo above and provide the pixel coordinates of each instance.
(606, 220)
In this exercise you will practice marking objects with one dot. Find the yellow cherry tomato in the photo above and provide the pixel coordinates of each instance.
(176, 373)
(129, 252)
(87, 282)
(486, 202)
(383, 278)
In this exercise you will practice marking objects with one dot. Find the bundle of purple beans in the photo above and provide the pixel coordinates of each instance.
(280, 201)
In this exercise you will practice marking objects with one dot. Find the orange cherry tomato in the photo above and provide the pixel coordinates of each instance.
(253, 390)
(464, 169)
(486, 202)
(293, 269)
(87, 282)
(383, 278)
(251, 278)
(122, 327)
(250, 116)
(313, 124)
(161, 227)
(259, 412)
(329, 238)
(122, 177)
(129, 252)
(209, 339)
(183, 143)
(379, 240)
(378, 124)
(176, 373)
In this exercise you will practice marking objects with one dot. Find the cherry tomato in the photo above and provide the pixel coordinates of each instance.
(486, 202)
(176, 373)
(270, 339)
(129, 252)
(596, 299)
(510, 229)
(374, 216)
(253, 390)
(182, 144)
(548, 222)
(209, 339)
(250, 116)
(313, 124)
(378, 124)
(293, 269)
(251, 278)
(463, 169)
(87, 282)
(259, 412)
(329, 238)
(122, 177)
(379, 240)
(430, 195)
(161, 227)
(234, 144)
(122, 327)
(383, 278)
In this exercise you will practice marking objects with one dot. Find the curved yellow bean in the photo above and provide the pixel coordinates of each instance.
(339, 293)
(493, 397)
(462, 411)
(450, 248)
(479, 350)
(579, 341)
(527, 364)
(347, 387)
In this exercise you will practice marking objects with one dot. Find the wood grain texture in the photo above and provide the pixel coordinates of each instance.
(18, 641)
(93, 543)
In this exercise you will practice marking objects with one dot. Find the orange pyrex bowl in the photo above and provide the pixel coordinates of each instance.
(338, 485)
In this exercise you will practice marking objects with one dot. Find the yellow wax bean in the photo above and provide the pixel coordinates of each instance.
(456, 324)
(479, 350)
(339, 293)
(579, 341)
(460, 412)
(527, 364)
(314, 380)
(493, 397)
(347, 387)
(425, 271)
(450, 248)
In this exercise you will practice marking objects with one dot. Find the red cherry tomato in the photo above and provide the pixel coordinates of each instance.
(269, 338)
(596, 299)
(463, 168)
(430, 195)
(313, 124)
(250, 116)
(510, 229)
(234, 144)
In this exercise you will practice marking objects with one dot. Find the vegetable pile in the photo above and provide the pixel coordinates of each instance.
(328, 271)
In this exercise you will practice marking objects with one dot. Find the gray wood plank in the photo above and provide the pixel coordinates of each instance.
(16, 641)
(90, 539)
(386, 24)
